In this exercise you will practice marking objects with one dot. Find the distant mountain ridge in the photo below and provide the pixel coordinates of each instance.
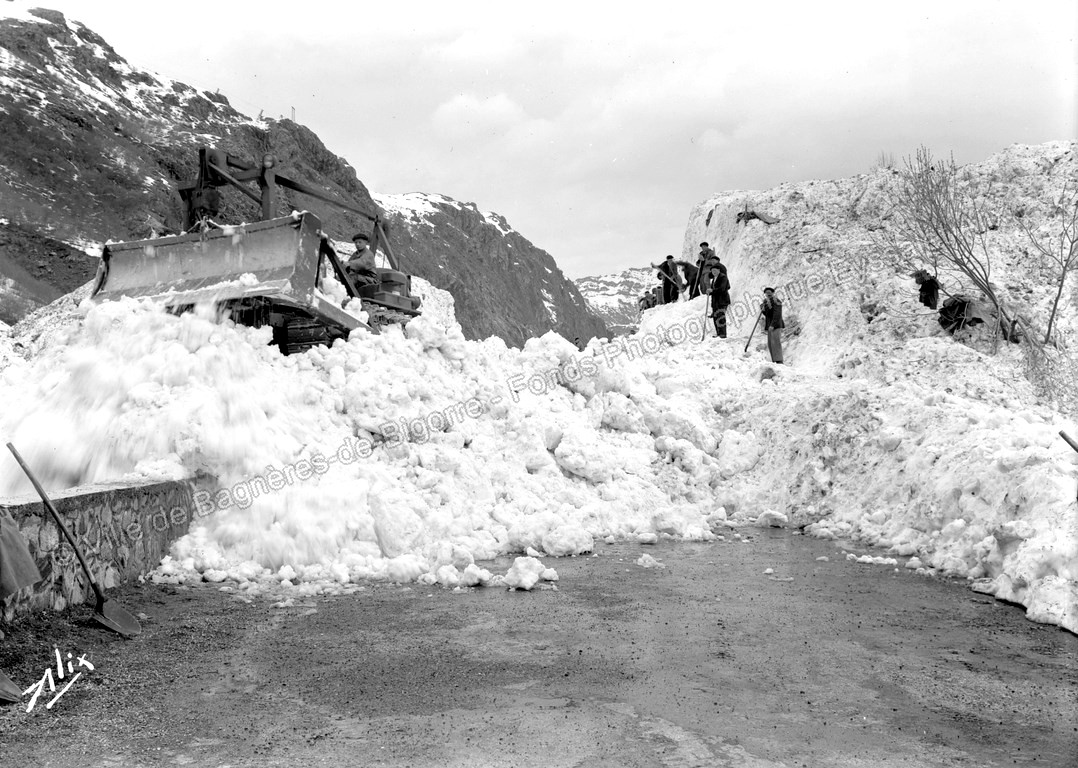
(93, 148)
(614, 297)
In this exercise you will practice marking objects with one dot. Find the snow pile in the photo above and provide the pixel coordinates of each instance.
(10, 358)
(403, 456)
(891, 432)
(526, 573)
(415, 455)
(647, 561)
(436, 305)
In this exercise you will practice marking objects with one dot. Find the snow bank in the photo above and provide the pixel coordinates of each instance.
(404, 456)
(887, 430)
(416, 455)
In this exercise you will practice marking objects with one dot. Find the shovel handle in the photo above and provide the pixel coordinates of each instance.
(754, 325)
(1070, 440)
(56, 516)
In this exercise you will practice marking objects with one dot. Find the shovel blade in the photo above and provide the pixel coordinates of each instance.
(9, 692)
(117, 619)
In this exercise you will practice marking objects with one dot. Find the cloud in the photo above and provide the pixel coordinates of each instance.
(478, 47)
(468, 115)
(595, 131)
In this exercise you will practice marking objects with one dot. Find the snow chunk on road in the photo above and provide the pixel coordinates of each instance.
(526, 573)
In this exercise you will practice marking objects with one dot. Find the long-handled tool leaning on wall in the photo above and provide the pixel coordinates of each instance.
(107, 614)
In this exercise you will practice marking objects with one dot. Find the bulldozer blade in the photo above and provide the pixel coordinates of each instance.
(275, 258)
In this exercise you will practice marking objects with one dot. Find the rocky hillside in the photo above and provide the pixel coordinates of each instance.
(614, 297)
(93, 148)
(487, 265)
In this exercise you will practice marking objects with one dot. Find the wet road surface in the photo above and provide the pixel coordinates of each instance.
(708, 661)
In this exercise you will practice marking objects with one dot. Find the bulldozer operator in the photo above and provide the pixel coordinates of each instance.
(360, 267)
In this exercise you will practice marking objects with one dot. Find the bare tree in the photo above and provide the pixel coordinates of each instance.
(938, 221)
(1060, 250)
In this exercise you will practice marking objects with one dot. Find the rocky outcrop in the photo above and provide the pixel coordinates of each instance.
(93, 150)
(503, 285)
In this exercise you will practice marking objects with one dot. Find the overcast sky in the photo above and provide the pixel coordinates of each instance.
(595, 131)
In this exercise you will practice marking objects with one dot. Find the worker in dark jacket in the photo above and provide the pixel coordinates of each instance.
(360, 268)
(771, 309)
(671, 282)
(691, 273)
(929, 292)
(719, 285)
(704, 260)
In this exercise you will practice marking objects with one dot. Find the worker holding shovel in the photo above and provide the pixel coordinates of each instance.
(771, 310)
(671, 280)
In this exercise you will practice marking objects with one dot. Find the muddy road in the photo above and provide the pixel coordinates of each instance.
(708, 661)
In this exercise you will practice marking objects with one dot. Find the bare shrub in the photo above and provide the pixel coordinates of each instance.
(939, 221)
(1053, 372)
(885, 161)
(1058, 251)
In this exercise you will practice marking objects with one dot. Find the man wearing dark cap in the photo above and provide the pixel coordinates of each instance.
(360, 267)
(771, 309)
(668, 274)
(719, 288)
(704, 263)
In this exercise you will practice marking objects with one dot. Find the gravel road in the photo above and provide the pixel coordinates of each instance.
(707, 661)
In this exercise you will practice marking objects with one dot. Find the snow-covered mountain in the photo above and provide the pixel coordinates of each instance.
(614, 297)
(94, 147)
(485, 263)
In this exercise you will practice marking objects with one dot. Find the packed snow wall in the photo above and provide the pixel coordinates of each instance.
(901, 435)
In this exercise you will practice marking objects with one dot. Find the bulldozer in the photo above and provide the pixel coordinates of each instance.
(278, 271)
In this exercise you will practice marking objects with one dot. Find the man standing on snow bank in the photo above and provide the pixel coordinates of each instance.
(704, 262)
(719, 284)
(668, 274)
(771, 309)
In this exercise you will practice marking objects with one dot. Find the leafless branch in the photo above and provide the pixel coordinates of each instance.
(1059, 251)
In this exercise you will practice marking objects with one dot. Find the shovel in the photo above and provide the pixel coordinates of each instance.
(754, 326)
(9, 692)
(107, 614)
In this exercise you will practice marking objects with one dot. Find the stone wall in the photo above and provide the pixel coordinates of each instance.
(122, 530)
